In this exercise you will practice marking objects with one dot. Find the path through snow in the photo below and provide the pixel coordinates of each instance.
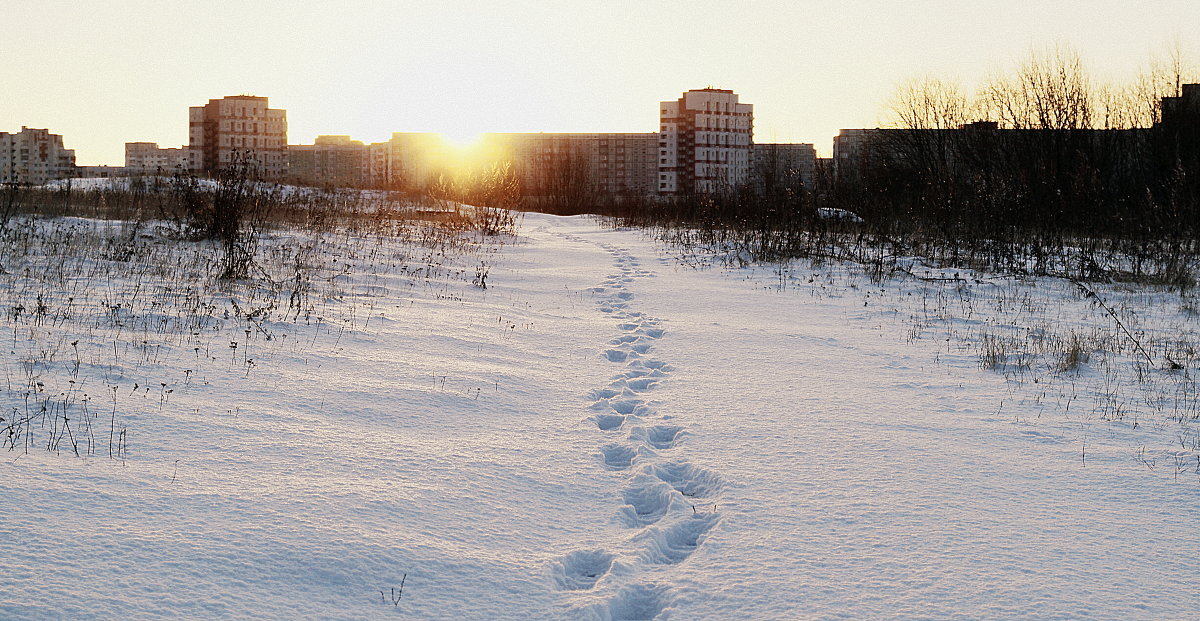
(662, 490)
(590, 438)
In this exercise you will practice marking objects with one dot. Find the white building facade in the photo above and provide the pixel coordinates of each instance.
(239, 130)
(705, 141)
(34, 156)
(149, 158)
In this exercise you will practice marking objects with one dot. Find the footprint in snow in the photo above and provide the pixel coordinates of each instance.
(617, 355)
(658, 436)
(621, 457)
(637, 371)
(634, 407)
(604, 393)
(582, 569)
(639, 602)
(646, 502)
(689, 480)
(608, 422)
(674, 544)
(636, 384)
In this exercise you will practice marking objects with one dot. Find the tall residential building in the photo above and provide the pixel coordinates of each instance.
(335, 160)
(34, 156)
(704, 142)
(149, 158)
(238, 130)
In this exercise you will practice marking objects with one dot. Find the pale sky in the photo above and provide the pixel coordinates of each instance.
(105, 73)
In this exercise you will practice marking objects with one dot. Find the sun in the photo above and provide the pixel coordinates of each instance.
(463, 150)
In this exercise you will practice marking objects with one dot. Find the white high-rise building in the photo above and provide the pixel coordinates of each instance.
(239, 130)
(704, 144)
(34, 156)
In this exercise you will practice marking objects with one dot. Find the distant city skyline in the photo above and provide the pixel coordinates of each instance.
(124, 71)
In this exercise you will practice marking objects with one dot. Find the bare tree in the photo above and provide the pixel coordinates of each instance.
(1050, 90)
(562, 181)
(930, 103)
(1163, 76)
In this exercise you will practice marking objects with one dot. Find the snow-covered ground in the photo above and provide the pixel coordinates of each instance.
(600, 433)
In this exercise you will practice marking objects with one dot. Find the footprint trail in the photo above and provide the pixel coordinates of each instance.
(660, 504)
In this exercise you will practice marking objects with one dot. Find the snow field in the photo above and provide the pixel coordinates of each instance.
(601, 433)
(873, 474)
(285, 487)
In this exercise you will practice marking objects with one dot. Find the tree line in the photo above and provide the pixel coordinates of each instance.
(1044, 148)
(1037, 164)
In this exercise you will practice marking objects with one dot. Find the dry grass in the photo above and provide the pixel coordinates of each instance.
(101, 313)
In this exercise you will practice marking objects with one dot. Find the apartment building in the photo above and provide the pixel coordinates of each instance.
(619, 165)
(626, 164)
(704, 142)
(853, 148)
(1180, 126)
(1184, 108)
(379, 169)
(330, 160)
(99, 172)
(416, 160)
(780, 164)
(34, 156)
(239, 130)
(148, 158)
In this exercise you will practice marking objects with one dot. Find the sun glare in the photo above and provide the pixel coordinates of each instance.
(462, 140)
(463, 151)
